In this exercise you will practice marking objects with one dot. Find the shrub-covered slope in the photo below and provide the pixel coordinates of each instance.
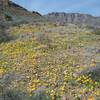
(48, 62)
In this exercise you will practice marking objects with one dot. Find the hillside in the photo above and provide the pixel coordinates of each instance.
(48, 59)
(48, 62)
(13, 13)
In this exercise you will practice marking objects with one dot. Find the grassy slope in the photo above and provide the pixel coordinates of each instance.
(50, 58)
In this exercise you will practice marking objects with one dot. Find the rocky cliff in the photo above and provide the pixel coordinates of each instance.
(74, 18)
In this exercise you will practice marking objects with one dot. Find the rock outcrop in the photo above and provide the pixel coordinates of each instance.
(74, 18)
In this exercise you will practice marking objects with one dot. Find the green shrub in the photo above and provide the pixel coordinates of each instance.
(15, 95)
(40, 96)
(97, 32)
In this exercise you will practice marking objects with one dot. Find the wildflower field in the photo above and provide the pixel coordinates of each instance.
(48, 62)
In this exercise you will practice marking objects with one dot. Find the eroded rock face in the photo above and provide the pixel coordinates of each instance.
(74, 18)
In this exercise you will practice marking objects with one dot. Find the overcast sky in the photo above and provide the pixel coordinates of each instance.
(47, 6)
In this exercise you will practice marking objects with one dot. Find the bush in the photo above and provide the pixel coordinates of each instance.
(40, 96)
(97, 32)
(14, 95)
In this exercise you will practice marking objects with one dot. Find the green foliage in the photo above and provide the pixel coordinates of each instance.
(15, 95)
(97, 32)
(40, 96)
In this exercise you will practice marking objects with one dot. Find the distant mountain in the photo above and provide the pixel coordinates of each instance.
(74, 18)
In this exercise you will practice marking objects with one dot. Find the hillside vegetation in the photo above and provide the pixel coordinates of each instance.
(50, 62)
(50, 57)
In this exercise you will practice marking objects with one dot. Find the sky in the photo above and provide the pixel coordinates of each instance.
(69, 6)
